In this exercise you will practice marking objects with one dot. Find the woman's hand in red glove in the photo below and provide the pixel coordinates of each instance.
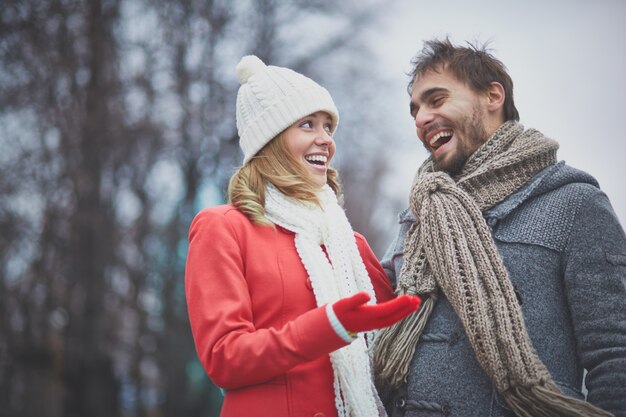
(357, 316)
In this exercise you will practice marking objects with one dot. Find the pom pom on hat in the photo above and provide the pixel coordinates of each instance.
(270, 99)
(248, 66)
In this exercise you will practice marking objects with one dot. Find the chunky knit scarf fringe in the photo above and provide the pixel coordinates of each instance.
(450, 248)
(344, 275)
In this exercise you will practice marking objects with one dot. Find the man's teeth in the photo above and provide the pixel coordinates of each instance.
(317, 158)
(439, 136)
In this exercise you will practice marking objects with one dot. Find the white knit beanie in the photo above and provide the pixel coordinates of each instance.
(270, 99)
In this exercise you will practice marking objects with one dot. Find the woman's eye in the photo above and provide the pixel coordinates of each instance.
(307, 124)
(328, 128)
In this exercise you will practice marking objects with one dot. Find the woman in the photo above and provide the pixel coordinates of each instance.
(278, 285)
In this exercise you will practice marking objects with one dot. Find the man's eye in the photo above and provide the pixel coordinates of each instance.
(437, 101)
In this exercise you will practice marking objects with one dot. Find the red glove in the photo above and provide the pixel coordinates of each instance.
(357, 316)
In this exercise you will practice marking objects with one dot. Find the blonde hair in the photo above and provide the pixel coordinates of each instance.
(275, 164)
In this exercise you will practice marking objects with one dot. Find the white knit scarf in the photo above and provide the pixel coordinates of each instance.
(344, 275)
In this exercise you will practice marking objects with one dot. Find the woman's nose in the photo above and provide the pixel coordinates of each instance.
(323, 137)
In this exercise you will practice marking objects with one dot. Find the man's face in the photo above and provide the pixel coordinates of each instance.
(449, 117)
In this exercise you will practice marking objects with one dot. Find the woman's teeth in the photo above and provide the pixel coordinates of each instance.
(316, 159)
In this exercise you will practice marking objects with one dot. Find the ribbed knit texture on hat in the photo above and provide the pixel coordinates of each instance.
(270, 99)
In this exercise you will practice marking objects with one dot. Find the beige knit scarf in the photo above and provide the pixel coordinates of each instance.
(450, 248)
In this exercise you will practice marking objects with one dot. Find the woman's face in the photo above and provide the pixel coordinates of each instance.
(310, 140)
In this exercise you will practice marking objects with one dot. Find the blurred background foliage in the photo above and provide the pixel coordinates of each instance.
(116, 127)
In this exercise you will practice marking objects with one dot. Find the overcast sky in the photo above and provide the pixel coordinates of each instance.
(567, 59)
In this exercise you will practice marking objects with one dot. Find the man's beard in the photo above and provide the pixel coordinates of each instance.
(474, 134)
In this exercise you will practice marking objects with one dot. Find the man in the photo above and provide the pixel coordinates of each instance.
(521, 262)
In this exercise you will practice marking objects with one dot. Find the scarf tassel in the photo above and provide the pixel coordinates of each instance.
(397, 345)
(547, 400)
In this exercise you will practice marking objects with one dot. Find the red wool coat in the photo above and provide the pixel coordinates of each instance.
(255, 323)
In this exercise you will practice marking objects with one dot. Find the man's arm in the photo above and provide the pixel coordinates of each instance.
(392, 260)
(388, 263)
(595, 282)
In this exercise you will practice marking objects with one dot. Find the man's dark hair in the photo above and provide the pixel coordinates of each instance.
(473, 65)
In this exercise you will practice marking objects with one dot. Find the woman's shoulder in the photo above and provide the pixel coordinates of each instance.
(222, 214)
(229, 222)
(220, 210)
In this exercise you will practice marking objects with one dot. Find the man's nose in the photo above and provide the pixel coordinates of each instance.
(423, 117)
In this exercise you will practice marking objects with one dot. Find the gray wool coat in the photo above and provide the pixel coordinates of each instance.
(565, 253)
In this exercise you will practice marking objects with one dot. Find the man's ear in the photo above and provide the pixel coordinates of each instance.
(495, 96)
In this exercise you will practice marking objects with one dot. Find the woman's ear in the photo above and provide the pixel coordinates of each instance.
(495, 96)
